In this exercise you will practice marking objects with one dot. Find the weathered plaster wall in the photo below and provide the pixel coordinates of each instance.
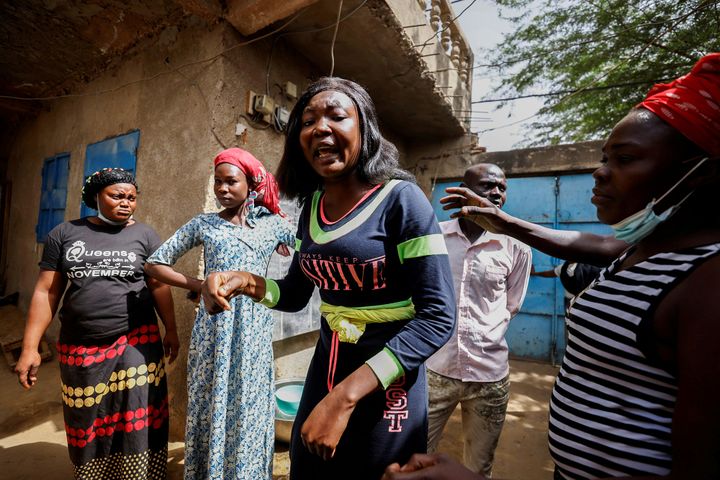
(184, 114)
(576, 157)
(449, 160)
(249, 16)
(429, 159)
(414, 93)
(414, 23)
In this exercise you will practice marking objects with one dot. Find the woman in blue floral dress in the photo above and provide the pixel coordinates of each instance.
(230, 418)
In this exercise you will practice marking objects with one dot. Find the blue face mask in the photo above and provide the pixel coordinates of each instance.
(642, 223)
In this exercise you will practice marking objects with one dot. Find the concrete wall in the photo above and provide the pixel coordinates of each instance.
(186, 113)
(185, 117)
(430, 160)
(449, 160)
(450, 68)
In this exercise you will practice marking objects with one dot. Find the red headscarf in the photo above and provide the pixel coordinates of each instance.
(262, 181)
(691, 104)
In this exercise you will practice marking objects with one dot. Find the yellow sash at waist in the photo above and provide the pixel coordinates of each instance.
(349, 322)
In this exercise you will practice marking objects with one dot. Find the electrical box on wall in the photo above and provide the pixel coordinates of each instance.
(282, 116)
(259, 107)
(250, 103)
(263, 108)
(264, 104)
(290, 90)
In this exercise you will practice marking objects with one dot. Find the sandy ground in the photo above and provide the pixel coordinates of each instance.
(32, 435)
(522, 452)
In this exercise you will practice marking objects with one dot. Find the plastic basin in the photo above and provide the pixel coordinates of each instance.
(288, 391)
(288, 398)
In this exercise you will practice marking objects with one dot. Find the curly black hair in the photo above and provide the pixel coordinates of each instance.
(378, 161)
(101, 179)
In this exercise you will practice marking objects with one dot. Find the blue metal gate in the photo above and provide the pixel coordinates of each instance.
(115, 152)
(562, 202)
(53, 196)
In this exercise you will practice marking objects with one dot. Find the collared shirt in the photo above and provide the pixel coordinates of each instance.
(490, 278)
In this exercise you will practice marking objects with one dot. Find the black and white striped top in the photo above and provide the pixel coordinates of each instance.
(611, 408)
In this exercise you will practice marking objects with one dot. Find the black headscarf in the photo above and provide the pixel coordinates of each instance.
(101, 179)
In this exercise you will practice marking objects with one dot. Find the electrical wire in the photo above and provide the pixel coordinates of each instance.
(153, 77)
(564, 92)
(267, 67)
(335, 24)
(332, 44)
(312, 30)
(320, 29)
(600, 78)
(427, 42)
(255, 120)
(445, 27)
(702, 6)
(207, 106)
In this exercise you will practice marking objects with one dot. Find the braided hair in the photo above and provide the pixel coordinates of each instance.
(101, 179)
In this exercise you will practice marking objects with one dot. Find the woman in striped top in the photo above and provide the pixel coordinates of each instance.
(637, 394)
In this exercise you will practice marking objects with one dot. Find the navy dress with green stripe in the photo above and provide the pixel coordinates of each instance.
(387, 250)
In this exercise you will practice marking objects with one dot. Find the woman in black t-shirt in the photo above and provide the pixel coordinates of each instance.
(111, 355)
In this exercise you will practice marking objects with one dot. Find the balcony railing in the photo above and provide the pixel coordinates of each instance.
(440, 42)
(442, 20)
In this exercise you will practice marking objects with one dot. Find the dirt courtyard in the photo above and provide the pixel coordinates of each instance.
(32, 435)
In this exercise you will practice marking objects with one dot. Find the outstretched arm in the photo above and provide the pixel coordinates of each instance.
(324, 427)
(159, 264)
(169, 276)
(219, 287)
(570, 245)
(165, 308)
(289, 294)
(46, 297)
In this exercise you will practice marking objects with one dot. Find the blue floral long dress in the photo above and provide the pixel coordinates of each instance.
(230, 417)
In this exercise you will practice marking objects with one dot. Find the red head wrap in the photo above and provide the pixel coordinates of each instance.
(260, 180)
(691, 104)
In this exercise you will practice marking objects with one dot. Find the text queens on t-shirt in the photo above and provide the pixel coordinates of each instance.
(107, 293)
(99, 263)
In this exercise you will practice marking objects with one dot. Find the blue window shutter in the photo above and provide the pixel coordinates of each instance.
(115, 152)
(53, 195)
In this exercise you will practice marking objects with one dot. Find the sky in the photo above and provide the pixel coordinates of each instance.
(484, 28)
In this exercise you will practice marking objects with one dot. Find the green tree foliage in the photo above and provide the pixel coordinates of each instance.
(602, 55)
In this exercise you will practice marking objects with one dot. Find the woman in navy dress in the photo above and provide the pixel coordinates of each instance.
(369, 241)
